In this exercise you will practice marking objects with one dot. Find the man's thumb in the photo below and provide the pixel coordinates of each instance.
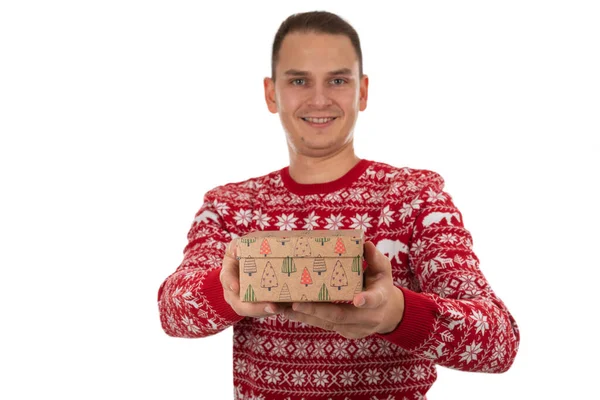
(377, 262)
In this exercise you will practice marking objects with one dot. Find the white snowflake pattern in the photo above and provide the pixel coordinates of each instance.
(435, 196)
(418, 246)
(384, 348)
(480, 321)
(256, 344)
(319, 349)
(397, 374)
(273, 375)
(362, 348)
(189, 323)
(395, 189)
(252, 371)
(243, 217)
(333, 197)
(376, 197)
(402, 282)
(471, 293)
(412, 186)
(242, 196)
(339, 349)
(468, 282)
(448, 238)
(443, 290)
(240, 366)
(279, 346)
(286, 222)
(261, 219)
(386, 216)
(301, 348)
(407, 209)
(276, 200)
(320, 378)
(471, 352)
(334, 222)
(221, 208)
(418, 373)
(373, 376)
(298, 378)
(361, 222)
(311, 221)
(347, 378)
(212, 243)
(356, 194)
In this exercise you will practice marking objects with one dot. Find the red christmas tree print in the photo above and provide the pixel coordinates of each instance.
(265, 248)
(306, 279)
(339, 246)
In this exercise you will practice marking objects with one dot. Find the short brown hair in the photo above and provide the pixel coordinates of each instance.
(315, 22)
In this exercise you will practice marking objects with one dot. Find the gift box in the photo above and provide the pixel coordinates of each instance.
(301, 266)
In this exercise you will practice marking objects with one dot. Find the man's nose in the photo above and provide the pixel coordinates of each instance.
(319, 96)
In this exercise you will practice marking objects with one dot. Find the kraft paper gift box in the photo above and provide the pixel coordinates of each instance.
(301, 266)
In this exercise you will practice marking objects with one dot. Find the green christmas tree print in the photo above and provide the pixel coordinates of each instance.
(357, 265)
(323, 293)
(288, 266)
(249, 296)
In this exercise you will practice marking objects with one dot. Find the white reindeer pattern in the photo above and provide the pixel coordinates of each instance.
(436, 217)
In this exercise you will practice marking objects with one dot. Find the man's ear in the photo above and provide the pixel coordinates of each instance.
(270, 97)
(364, 92)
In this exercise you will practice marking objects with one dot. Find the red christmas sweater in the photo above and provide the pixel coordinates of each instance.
(451, 318)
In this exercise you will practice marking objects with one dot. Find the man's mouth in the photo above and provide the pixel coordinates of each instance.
(319, 122)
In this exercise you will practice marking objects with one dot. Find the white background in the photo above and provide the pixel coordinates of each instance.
(117, 116)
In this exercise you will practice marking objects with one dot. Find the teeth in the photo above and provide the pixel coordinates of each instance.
(317, 120)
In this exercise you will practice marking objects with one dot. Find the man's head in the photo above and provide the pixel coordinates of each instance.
(316, 72)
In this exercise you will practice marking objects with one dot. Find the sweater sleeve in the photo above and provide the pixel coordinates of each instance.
(455, 320)
(190, 301)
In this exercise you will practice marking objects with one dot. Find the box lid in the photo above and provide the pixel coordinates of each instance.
(301, 244)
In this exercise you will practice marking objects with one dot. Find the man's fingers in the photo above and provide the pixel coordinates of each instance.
(230, 271)
(257, 310)
(337, 314)
(231, 250)
(370, 298)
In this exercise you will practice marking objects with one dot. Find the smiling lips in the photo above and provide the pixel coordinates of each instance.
(319, 122)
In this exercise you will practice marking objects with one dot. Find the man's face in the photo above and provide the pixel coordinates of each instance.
(317, 76)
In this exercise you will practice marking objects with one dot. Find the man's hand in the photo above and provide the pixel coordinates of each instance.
(378, 309)
(230, 273)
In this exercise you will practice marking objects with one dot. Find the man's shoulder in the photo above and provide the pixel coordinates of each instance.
(381, 171)
(246, 188)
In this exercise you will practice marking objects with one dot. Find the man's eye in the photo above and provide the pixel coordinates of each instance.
(296, 80)
(339, 79)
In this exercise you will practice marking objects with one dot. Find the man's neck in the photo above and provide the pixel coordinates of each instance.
(309, 170)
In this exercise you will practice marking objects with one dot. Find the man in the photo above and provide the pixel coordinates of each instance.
(426, 302)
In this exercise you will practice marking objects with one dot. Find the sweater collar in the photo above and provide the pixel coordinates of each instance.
(327, 187)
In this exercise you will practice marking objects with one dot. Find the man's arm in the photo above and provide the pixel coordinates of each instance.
(191, 301)
(456, 320)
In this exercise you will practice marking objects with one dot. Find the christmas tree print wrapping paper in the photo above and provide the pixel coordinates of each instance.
(301, 266)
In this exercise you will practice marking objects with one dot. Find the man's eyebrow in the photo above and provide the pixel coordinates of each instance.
(296, 72)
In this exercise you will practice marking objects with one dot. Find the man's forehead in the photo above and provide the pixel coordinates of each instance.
(304, 54)
(300, 72)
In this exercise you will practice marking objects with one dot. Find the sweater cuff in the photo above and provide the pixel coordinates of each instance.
(417, 321)
(214, 293)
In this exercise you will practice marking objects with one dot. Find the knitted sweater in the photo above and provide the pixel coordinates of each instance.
(451, 318)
